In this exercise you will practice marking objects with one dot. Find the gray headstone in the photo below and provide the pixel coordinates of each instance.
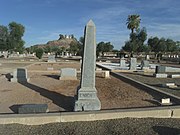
(87, 94)
(145, 64)
(51, 58)
(68, 74)
(33, 108)
(160, 69)
(133, 64)
(20, 75)
(122, 63)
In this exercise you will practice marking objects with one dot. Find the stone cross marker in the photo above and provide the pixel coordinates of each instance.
(87, 94)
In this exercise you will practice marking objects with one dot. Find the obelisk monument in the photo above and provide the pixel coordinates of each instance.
(86, 99)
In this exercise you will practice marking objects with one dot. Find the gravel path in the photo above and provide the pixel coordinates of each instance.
(127, 126)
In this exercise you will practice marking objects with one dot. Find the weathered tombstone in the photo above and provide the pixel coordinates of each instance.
(145, 64)
(87, 94)
(147, 57)
(51, 58)
(68, 74)
(33, 108)
(160, 72)
(160, 69)
(133, 64)
(122, 63)
(20, 75)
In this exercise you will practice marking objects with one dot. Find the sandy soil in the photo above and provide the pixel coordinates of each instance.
(46, 88)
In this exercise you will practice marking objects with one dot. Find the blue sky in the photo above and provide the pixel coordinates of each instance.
(44, 20)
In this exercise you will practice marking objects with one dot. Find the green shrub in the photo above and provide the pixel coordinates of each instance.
(39, 53)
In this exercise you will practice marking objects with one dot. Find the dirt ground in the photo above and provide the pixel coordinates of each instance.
(45, 88)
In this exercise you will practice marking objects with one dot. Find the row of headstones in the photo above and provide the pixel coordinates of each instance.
(133, 64)
(20, 74)
(160, 72)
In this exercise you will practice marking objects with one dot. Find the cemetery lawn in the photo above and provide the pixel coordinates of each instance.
(126, 126)
(149, 79)
(45, 88)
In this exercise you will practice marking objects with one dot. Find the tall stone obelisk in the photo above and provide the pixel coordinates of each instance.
(86, 98)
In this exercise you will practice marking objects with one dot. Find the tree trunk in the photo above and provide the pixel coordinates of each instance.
(132, 30)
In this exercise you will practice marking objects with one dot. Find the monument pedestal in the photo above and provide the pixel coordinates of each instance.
(87, 100)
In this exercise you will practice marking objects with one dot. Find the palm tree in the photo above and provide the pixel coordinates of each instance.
(133, 22)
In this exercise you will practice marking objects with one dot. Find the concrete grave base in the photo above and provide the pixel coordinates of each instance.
(87, 105)
(20, 80)
(175, 76)
(87, 100)
(161, 75)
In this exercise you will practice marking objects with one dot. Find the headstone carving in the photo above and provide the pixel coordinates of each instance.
(68, 74)
(20, 75)
(87, 99)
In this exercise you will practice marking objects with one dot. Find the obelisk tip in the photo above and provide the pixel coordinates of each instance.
(90, 23)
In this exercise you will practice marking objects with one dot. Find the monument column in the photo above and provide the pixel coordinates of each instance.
(86, 98)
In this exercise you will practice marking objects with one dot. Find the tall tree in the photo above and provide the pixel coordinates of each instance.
(153, 43)
(16, 32)
(171, 45)
(3, 37)
(74, 47)
(133, 22)
(136, 42)
(103, 47)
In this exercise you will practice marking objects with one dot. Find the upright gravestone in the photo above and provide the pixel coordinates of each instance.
(51, 58)
(160, 72)
(133, 64)
(160, 69)
(20, 75)
(68, 74)
(145, 64)
(87, 94)
(122, 63)
(147, 57)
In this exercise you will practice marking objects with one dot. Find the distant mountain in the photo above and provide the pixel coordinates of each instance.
(63, 41)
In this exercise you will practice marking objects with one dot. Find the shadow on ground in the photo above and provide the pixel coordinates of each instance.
(56, 77)
(65, 102)
(8, 76)
(162, 130)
